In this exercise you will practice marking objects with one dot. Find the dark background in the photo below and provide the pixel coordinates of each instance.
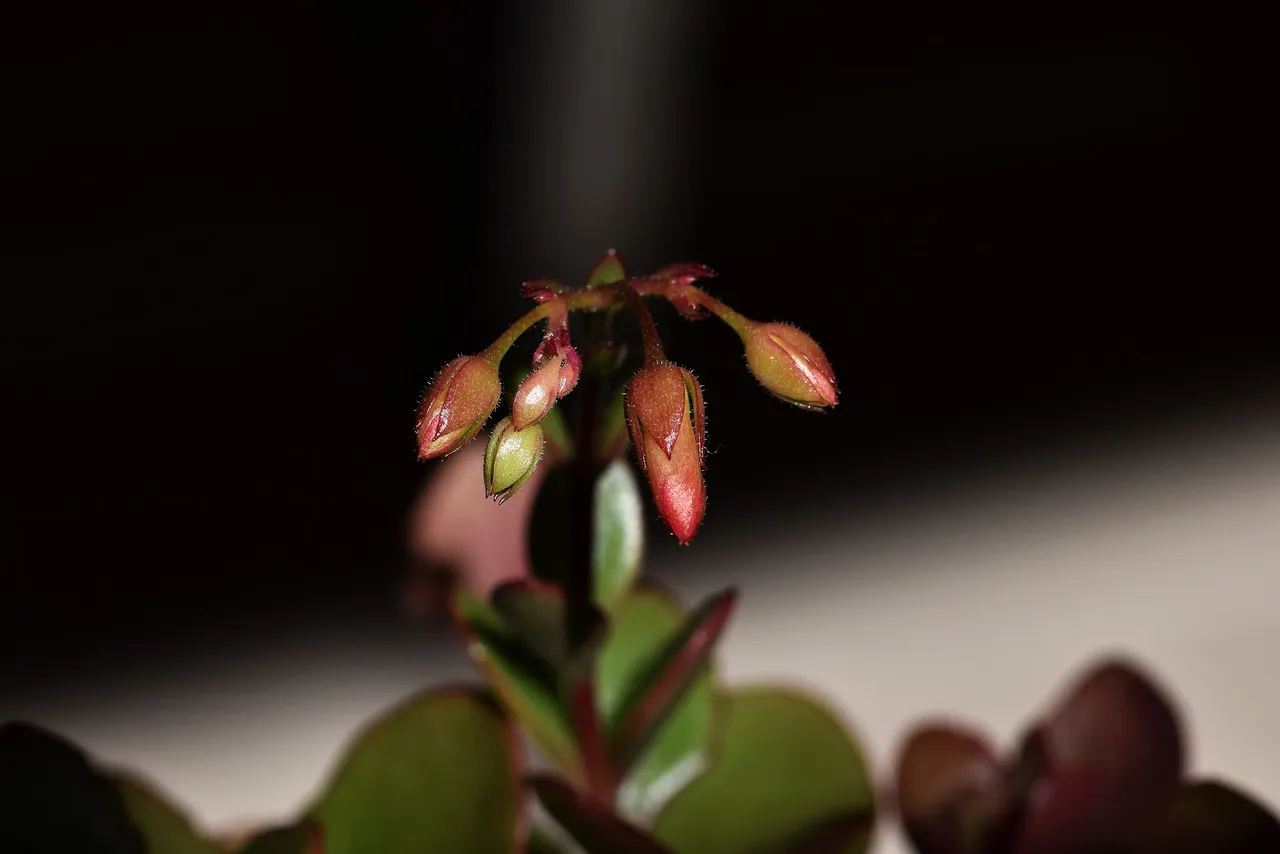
(234, 246)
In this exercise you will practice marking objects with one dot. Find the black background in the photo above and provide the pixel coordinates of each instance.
(235, 244)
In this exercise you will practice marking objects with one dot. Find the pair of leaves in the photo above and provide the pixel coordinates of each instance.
(1102, 769)
(787, 779)
(439, 773)
(652, 699)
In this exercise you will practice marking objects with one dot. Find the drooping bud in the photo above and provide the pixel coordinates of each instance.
(511, 458)
(665, 416)
(456, 405)
(790, 365)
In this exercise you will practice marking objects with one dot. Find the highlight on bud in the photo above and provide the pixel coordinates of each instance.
(511, 458)
(556, 369)
(665, 415)
(790, 365)
(457, 404)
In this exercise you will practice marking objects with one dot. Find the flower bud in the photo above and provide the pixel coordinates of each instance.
(511, 458)
(456, 405)
(790, 365)
(665, 415)
(537, 394)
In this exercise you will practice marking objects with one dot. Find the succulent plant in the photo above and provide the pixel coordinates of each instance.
(613, 681)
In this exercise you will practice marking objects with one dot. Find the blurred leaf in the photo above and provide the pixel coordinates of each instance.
(1210, 816)
(785, 768)
(541, 843)
(617, 535)
(834, 836)
(643, 625)
(439, 773)
(533, 613)
(589, 822)
(165, 828)
(937, 764)
(657, 688)
(53, 801)
(549, 528)
(1116, 723)
(526, 685)
(608, 269)
(305, 837)
(618, 545)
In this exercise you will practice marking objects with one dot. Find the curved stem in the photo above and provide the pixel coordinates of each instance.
(653, 352)
(576, 301)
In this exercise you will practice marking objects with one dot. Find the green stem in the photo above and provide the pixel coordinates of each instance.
(739, 323)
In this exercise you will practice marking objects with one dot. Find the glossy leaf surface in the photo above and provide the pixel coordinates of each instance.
(439, 773)
(786, 767)
(642, 627)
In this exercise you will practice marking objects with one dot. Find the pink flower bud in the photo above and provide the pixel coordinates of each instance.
(456, 405)
(665, 415)
(538, 393)
(791, 366)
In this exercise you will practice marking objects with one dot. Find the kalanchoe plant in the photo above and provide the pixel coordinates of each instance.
(642, 749)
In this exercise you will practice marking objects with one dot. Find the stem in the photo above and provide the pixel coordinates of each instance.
(739, 323)
(576, 301)
(653, 352)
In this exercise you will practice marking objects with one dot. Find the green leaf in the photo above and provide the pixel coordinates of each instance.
(305, 837)
(785, 769)
(643, 626)
(1208, 815)
(52, 801)
(166, 829)
(439, 773)
(618, 545)
(657, 689)
(617, 531)
(534, 614)
(589, 822)
(526, 684)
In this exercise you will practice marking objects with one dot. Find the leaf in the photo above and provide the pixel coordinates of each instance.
(53, 801)
(542, 843)
(1117, 723)
(165, 828)
(439, 773)
(305, 837)
(786, 767)
(607, 270)
(533, 613)
(589, 822)
(618, 536)
(937, 765)
(643, 625)
(655, 691)
(617, 531)
(526, 685)
(1208, 815)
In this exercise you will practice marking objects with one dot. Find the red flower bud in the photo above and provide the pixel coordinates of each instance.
(791, 366)
(456, 405)
(666, 418)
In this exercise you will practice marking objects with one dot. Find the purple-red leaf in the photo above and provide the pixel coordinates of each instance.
(662, 684)
(940, 767)
(592, 824)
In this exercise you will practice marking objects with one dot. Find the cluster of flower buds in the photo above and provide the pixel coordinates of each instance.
(663, 402)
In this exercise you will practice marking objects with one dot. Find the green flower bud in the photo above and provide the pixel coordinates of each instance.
(511, 458)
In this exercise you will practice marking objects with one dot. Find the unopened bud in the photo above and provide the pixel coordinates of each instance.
(511, 458)
(556, 368)
(665, 416)
(456, 405)
(790, 365)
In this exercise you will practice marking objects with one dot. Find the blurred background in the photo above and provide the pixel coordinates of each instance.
(236, 242)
